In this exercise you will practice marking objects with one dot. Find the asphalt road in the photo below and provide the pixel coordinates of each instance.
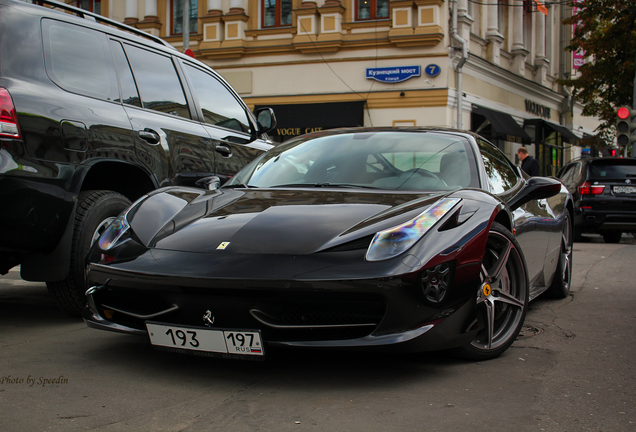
(573, 369)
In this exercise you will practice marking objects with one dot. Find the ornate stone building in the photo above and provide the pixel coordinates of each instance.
(330, 63)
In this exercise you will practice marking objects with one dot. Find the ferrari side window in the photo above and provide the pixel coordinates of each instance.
(501, 176)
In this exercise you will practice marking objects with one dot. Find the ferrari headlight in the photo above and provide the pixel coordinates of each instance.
(394, 241)
(114, 232)
(118, 228)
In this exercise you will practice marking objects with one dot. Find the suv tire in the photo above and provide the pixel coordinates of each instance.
(95, 211)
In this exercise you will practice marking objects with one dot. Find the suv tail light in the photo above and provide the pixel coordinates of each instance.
(8, 118)
(588, 188)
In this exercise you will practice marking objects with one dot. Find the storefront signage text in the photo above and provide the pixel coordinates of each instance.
(393, 74)
(296, 131)
(536, 109)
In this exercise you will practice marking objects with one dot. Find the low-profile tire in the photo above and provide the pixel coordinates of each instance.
(502, 298)
(612, 237)
(560, 287)
(95, 211)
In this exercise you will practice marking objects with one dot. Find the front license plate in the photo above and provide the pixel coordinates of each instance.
(204, 339)
(624, 189)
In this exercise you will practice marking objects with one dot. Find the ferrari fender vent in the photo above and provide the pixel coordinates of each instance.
(362, 243)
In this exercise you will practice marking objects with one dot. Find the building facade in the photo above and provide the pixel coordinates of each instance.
(491, 68)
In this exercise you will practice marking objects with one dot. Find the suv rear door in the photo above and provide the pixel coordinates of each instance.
(169, 139)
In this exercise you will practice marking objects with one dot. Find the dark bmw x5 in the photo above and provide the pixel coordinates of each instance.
(604, 191)
(93, 115)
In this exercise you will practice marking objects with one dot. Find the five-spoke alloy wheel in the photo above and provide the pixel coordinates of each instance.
(502, 297)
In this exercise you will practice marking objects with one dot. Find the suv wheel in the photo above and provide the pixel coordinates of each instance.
(95, 211)
(613, 237)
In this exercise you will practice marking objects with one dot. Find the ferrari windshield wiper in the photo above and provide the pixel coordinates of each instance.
(325, 185)
(240, 185)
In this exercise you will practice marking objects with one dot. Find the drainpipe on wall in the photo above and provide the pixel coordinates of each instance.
(568, 100)
(460, 65)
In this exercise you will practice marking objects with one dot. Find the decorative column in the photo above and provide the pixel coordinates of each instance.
(150, 22)
(330, 37)
(132, 13)
(235, 25)
(494, 38)
(215, 7)
(464, 22)
(416, 23)
(213, 28)
(519, 51)
(540, 60)
(306, 27)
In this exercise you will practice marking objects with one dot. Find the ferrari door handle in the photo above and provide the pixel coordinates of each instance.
(223, 150)
(150, 136)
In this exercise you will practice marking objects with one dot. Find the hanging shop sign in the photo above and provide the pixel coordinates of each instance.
(393, 74)
(536, 109)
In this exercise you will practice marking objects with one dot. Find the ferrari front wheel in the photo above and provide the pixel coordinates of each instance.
(502, 297)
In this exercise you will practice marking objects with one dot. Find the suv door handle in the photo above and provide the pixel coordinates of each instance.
(149, 135)
(225, 151)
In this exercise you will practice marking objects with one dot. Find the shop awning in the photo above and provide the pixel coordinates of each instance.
(298, 119)
(503, 125)
(567, 135)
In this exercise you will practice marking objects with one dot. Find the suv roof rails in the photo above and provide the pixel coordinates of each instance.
(81, 13)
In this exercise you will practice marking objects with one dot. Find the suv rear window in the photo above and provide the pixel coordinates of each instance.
(79, 60)
(613, 169)
(158, 82)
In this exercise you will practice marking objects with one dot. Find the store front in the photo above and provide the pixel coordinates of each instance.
(550, 140)
(298, 119)
(499, 128)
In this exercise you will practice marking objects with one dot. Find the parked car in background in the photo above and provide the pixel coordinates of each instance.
(93, 115)
(604, 191)
(403, 239)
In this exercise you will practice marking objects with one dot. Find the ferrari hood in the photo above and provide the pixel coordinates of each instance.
(282, 221)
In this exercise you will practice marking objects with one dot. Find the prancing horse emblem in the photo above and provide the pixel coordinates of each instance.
(208, 319)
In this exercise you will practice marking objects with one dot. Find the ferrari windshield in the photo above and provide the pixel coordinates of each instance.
(393, 160)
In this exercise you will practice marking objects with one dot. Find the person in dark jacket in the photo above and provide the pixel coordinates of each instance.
(528, 163)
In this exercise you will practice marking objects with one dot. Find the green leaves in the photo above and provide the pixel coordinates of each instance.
(606, 31)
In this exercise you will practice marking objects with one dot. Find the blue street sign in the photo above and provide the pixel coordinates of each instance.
(393, 74)
(432, 70)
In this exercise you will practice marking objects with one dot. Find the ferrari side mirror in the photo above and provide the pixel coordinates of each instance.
(209, 183)
(534, 189)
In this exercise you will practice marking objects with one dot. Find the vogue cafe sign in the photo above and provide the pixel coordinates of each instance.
(536, 109)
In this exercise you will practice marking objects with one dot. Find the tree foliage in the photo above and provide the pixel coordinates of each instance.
(606, 32)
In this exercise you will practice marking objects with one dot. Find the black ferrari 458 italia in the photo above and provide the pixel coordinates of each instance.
(404, 239)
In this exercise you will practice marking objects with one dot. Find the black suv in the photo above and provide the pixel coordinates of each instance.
(604, 191)
(93, 115)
